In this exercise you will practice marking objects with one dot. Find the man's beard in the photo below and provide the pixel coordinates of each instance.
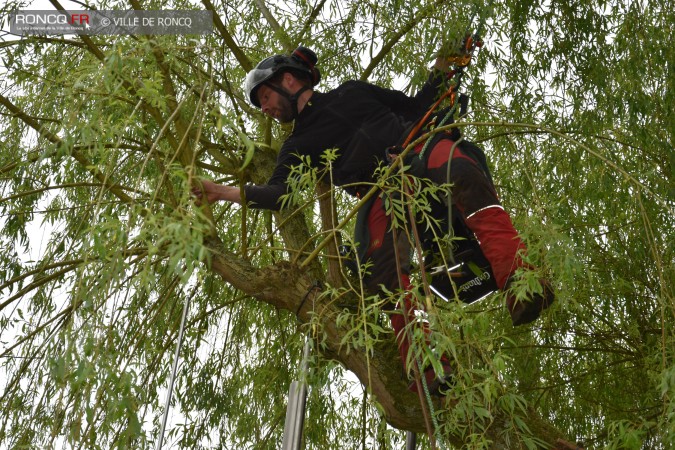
(285, 111)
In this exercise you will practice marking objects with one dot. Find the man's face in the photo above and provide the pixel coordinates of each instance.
(274, 105)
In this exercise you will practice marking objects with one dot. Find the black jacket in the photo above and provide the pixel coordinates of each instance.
(359, 119)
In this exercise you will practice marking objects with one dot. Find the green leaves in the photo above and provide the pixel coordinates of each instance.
(101, 244)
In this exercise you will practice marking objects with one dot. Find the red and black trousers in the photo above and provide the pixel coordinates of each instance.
(473, 195)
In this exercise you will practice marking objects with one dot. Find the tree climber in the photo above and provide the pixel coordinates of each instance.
(361, 120)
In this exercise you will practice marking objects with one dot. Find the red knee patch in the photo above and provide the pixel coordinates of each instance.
(377, 225)
(440, 154)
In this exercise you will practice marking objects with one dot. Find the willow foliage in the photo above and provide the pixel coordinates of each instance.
(102, 245)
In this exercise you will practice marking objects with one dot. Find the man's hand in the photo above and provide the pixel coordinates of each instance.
(213, 192)
(455, 53)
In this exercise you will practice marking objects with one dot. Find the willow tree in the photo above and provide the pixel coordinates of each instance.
(103, 138)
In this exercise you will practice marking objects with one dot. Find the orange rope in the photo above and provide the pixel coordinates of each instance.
(422, 121)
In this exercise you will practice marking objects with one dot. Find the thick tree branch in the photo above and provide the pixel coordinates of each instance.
(287, 287)
(328, 212)
(284, 286)
(279, 31)
(227, 37)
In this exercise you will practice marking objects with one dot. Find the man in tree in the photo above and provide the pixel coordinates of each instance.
(361, 121)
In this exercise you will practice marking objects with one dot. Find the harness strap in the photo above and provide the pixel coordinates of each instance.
(292, 98)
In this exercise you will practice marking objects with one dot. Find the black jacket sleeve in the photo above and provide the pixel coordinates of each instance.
(268, 196)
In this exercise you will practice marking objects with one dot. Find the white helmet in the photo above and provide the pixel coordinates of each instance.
(302, 60)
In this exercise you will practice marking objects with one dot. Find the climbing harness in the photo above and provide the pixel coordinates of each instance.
(462, 272)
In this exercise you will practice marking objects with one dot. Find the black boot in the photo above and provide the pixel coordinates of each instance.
(528, 310)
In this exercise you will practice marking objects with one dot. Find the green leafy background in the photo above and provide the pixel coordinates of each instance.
(102, 138)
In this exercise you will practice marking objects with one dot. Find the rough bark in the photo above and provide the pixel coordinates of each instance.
(284, 286)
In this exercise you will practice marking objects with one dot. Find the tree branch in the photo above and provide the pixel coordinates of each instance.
(308, 23)
(287, 287)
(328, 224)
(227, 37)
(93, 48)
(389, 45)
(281, 34)
(54, 139)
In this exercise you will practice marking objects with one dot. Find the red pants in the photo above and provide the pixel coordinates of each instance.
(473, 194)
